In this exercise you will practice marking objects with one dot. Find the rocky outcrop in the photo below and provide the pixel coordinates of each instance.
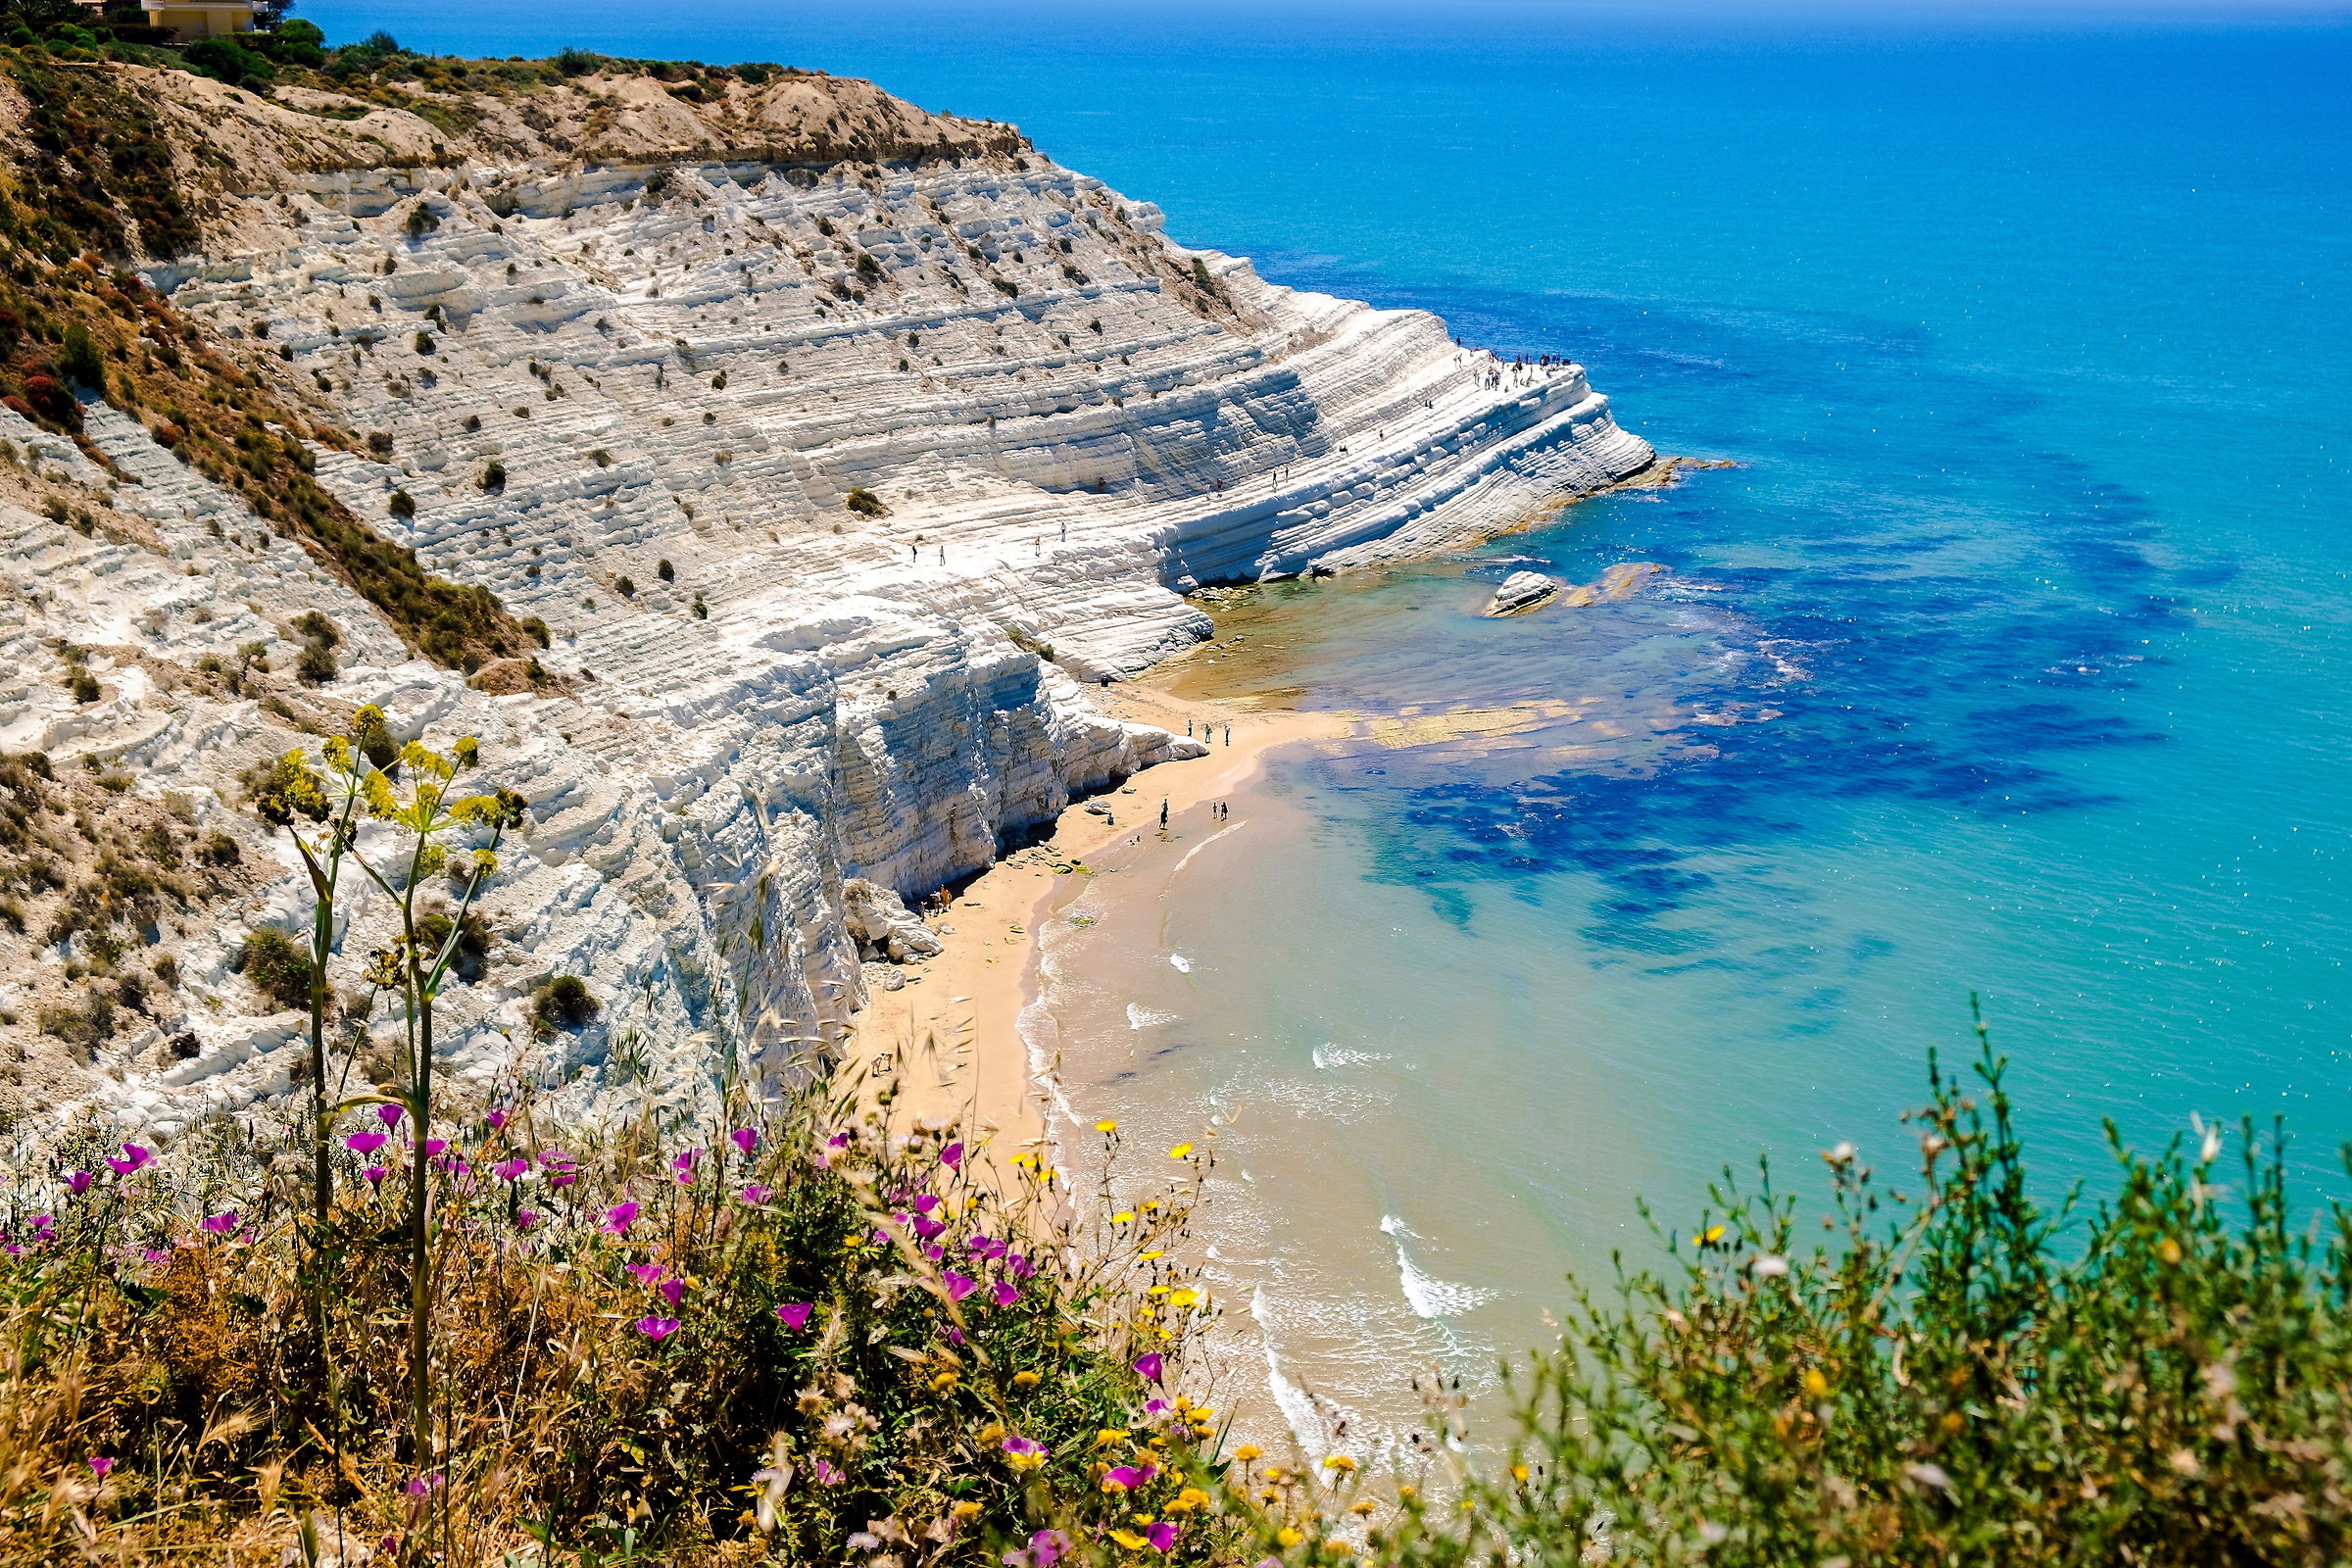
(883, 927)
(1521, 591)
(836, 446)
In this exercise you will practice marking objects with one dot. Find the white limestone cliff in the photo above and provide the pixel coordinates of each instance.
(834, 482)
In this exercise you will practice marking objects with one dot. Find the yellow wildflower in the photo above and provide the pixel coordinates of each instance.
(1108, 1435)
(1363, 1510)
(1107, 1125)
(1708, 1237)
(1249, 1451)
(1125, 1216)
(1026, 1380)
(2169, 1250)
(1340, 1462)
(965, 1510)
(1149, 1257)
(1288, 1536)
(1192, 1497)
(1183, 1298)
(1815, 1384)
(1180, 1150)
(989, 1433)
(1518, 1472)
(1130, 1539)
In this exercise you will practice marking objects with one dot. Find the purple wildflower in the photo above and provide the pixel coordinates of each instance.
(1124, 1478)
(754, 1194)
(1162, 1536)
(389, 1115)
(1149, 1366)
(683, 1165)
(646, 1273)
(79, 1182)
(1007, 1293)
(510, 1170)
(221, 1224)
(672, 1292)
(100, 1465)
(745, 1138)
(364, 1142)
(620, 1217)
(951, 1157)
(794, 1315)
(374, 1175)
(657, 1329)
(524, 1219)
(133, 1157)
(959, 1286)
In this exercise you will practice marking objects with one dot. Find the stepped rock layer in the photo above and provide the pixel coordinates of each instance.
(838, 445)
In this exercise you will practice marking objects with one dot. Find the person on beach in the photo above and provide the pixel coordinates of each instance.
(1163, 811)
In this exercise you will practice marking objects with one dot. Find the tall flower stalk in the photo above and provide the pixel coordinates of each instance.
(430, 811)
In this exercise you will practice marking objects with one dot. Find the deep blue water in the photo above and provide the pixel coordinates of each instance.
(2031, 339)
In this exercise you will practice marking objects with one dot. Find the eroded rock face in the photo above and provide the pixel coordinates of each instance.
(883, 927)
(831, 481)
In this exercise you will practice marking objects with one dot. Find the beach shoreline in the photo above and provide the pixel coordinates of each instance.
(950, 1038)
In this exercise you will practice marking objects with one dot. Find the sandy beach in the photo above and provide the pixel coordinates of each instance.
(952, 1035)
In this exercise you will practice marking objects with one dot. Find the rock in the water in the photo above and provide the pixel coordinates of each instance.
(1615, 585)
(882, 925)
(1522, 590)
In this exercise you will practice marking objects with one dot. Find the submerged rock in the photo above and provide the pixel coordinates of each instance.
(1615, 585)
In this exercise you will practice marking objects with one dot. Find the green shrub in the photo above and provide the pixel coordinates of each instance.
(494, 477)
(227, 59)
(276, 967)
(316, 664)
(866, 502)
(577, 62)
(401, 505)
(79, 360)
(312, 625)
(538, 630)
(564, 1002)
(665, 570)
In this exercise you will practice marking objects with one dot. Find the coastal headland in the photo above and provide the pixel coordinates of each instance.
(782, 481)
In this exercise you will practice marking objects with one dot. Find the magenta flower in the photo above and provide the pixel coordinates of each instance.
(1162, 1536)
(79, 1182)
(927, 1227)
(646, 1273)
(508, 1170)
(221, 1224)
(683, 1165)
(374, 1175)
(1007, 1293)
(1025, 1447)
(924, 1202)
(1020, 1267)
(956, 1335)
(1149, 1366)
(657, 1329)
(100, 1465)
(745, 1138)
(986, 1247)
(826, 1473)
(524, 1219)
(133, 1157)
(1047, 1547)
(952, 1155)
(620, 1217)
(795, 1314)
(672, 1292)
(959, 1286)
(497, 1121)
(389, 1115)
(364, 1142)
(1125, 1478)
(435, 1145)
(1155, 1408)
(755, 1194)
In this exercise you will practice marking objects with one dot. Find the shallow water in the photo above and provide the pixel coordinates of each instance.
(2023, 617)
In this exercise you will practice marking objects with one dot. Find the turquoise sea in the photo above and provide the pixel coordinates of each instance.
(2032, 337)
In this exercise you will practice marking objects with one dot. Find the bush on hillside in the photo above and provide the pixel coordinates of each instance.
(227, 59)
